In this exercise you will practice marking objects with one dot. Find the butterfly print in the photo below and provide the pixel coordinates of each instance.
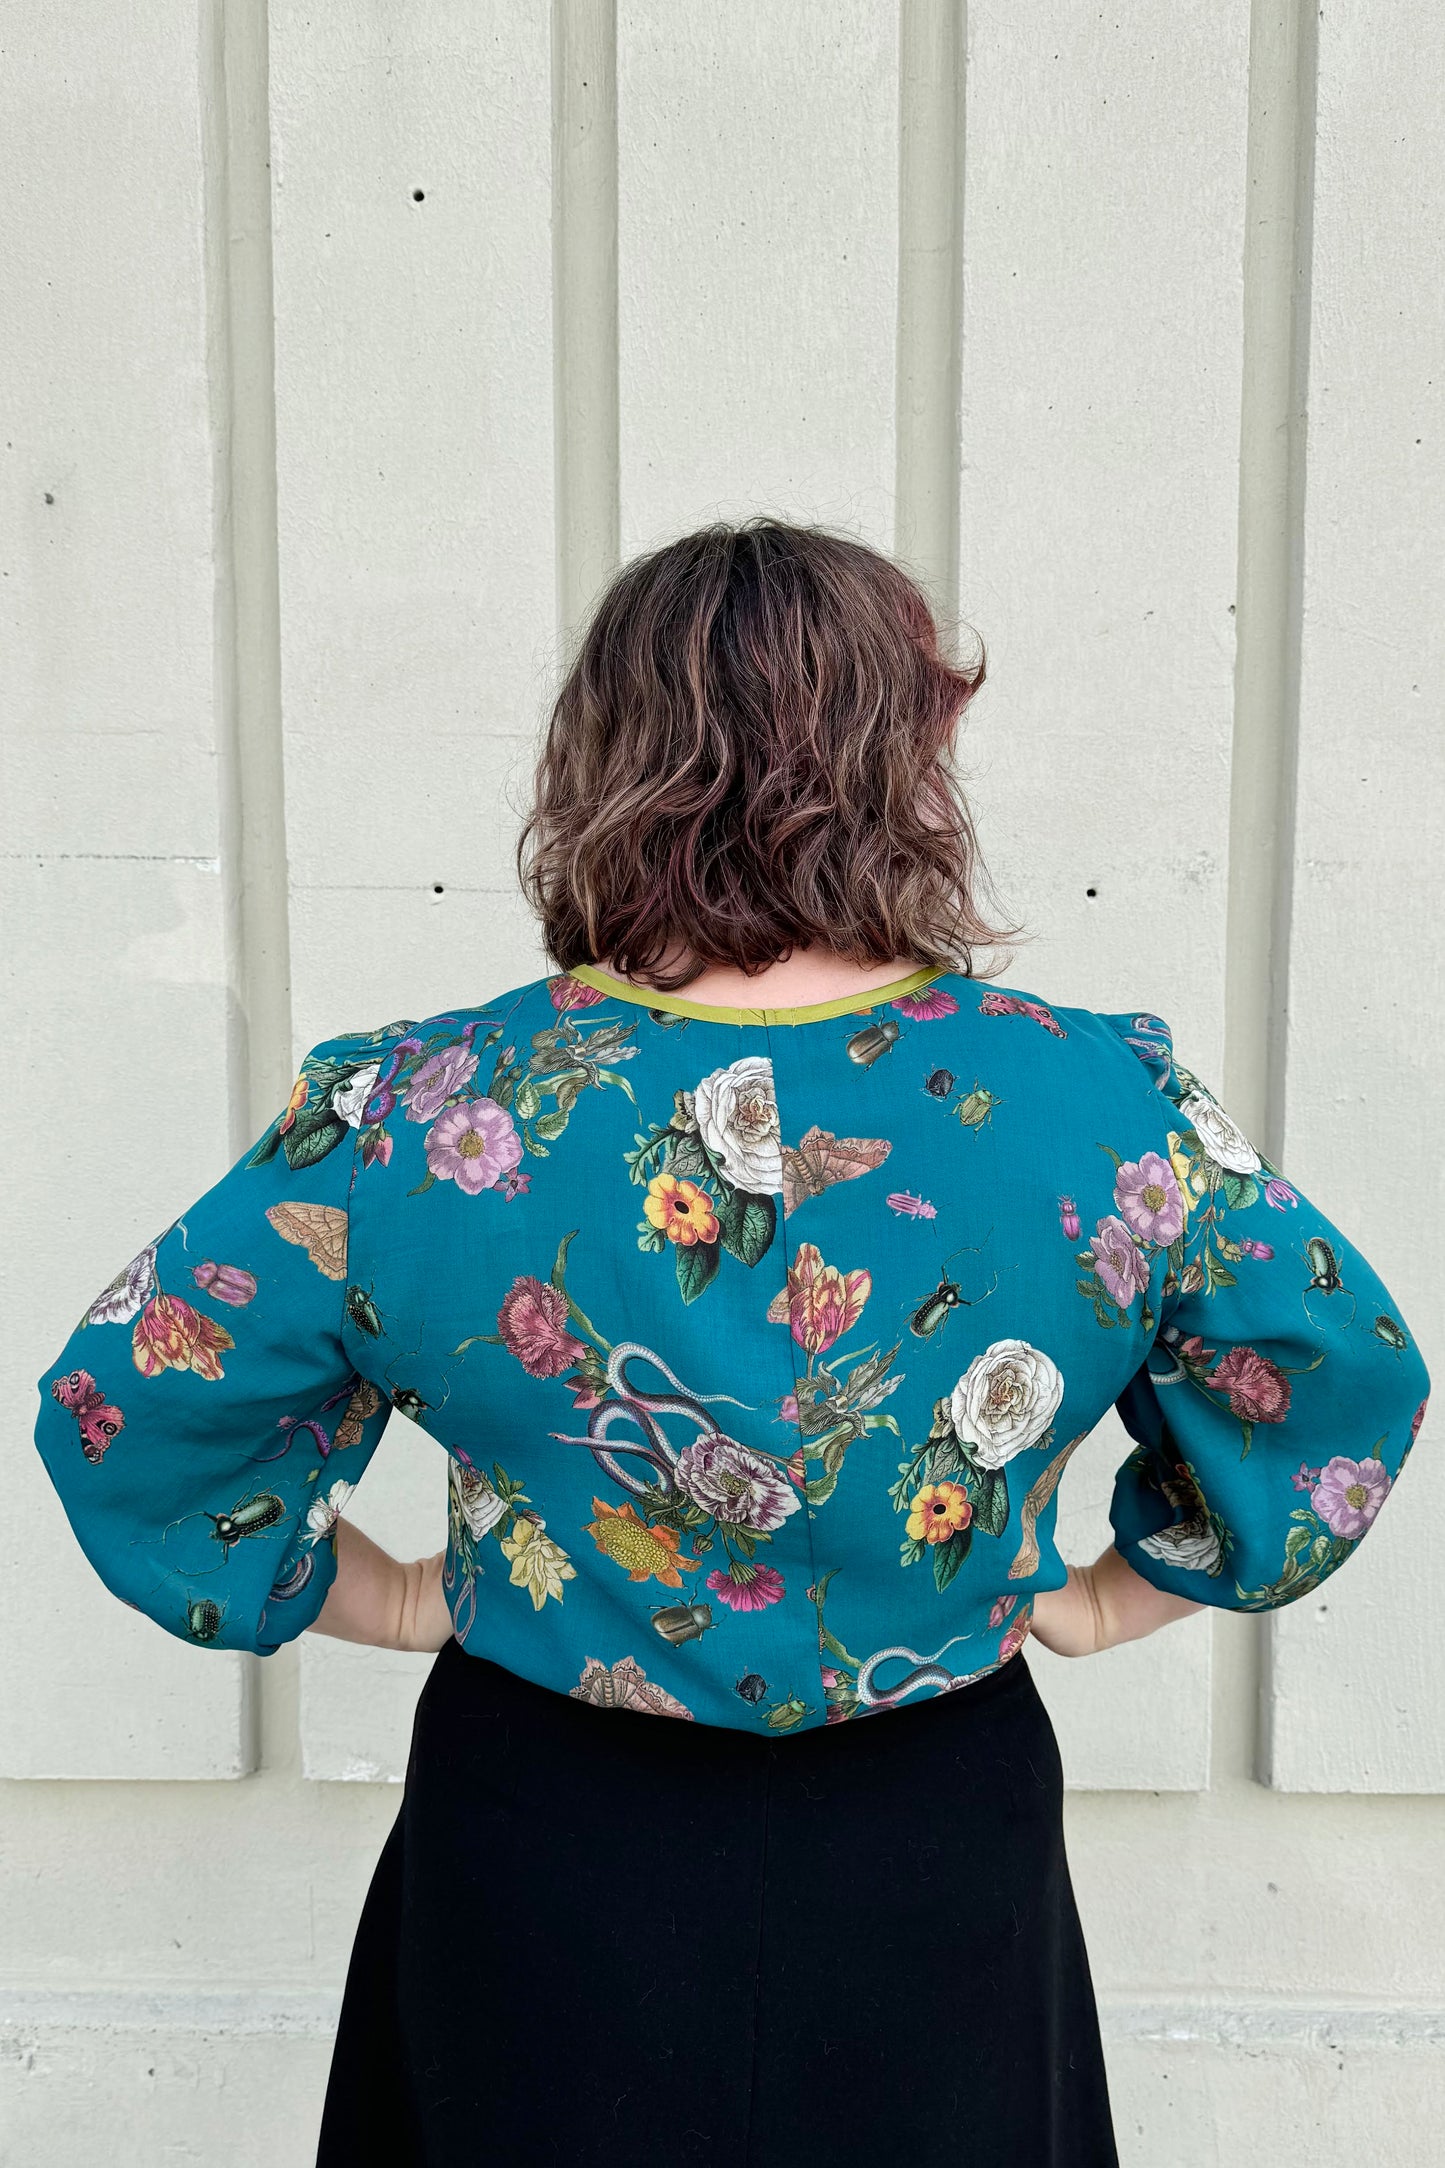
(821, 1159)
(997, 1004)
(625, 1686)
(99, 1421)
(319, 1229)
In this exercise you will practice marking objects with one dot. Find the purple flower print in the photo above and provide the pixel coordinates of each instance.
(1119, 1262)
(1349, 1494)
(736, 1485)
(1149, 1200)
(475, 1146)
(436, 1081)
(1279, 1194)
(1305, 1477)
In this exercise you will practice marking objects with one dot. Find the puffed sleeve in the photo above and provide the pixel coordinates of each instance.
(1283, 1392)
(207, 1419)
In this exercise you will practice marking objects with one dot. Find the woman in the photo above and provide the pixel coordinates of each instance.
(758, 1269)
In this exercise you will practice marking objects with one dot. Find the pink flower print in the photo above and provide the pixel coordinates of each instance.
(927, 1004)
(1279, 1194)
(1350, 1493)
(533, 1324)
(1148, 1198)
(1259, 1392)
(437, 1081)
(1305, 1477)
(570, 993)
(1001, 1609)
(787, 1409)
(375, 1147)
(225, 1283)
(474, 1145)
(746, 1587)
(1417, 1419)
(1119, 1262)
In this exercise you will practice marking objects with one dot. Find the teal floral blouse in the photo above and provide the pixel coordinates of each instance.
(757, 1341)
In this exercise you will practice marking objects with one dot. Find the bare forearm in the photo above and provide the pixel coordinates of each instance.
(381, 1601)
(1102, 1605)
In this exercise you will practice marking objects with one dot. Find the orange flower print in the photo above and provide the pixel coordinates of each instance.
(646, 1553)
(938, 1512)
(819, 1303)
(300, 1092)
(170, 1335)
(682, 1210)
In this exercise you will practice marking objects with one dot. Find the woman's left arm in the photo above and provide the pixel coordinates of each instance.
(379, 1601)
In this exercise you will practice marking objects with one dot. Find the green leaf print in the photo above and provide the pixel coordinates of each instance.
(949, 1556)
(697, 1264)
(746, 1224)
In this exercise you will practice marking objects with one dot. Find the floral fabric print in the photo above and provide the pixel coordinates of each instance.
(757, 1344)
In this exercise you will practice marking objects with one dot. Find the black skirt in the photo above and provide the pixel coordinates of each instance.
(598, 1937)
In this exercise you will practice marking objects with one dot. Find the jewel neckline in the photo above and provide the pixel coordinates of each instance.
(858, 1003)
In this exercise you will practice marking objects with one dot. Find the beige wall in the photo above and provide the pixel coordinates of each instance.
(1127, 329)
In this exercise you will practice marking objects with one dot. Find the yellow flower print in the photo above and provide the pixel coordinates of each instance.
(682, 1210)
(820, 1303)
(937, 1512)
(538, 1564)
(1188, 1173)
(646, 1553)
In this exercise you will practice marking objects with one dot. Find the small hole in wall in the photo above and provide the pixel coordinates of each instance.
(437, 889)
(1091, 891)
(418, 195)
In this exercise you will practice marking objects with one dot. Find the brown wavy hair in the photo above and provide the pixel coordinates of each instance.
(749, 755)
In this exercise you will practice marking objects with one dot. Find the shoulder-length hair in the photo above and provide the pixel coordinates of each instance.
(749, 755)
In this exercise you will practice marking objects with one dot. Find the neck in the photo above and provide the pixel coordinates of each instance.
(796, 981)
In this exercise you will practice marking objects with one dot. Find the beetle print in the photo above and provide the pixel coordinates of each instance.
(866, 1046)
(1385, 1328)
(939, 1083)
(203, 1619)
(787, 1714)
(975, 1109)
(679, 1623)
(363, 1312)
(934, 1311)
(751, 1688)
(252, 1517)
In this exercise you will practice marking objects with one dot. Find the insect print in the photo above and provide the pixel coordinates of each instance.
(682, 1622)
(938, 1083)
(787, 1714)
(625, 1686)
(252, 1517)
(998, 1004)
(1069, 1219)
(408, 1402)
(933, 1312)
(1393, 1335)
(866, 1046)
(820, 1159)
(204, 1618)
(975, 1109)
(363, 1312)
(910, 1207)
(1324, 1278)
(319, 1229)
(97, 1419)
(751, 1688)
(362, 1403)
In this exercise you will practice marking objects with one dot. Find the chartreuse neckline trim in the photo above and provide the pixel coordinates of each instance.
(814, 1012)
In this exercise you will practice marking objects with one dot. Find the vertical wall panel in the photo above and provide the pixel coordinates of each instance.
(758, 207)
(117, 971)
(414, 451)
(414, 425)
(1358, 1691)
(1100, 418)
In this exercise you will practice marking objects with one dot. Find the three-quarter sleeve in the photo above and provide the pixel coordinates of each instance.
(1284, 1390)
(206, 1422)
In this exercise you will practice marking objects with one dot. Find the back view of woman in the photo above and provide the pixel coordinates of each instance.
(758, 1269)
